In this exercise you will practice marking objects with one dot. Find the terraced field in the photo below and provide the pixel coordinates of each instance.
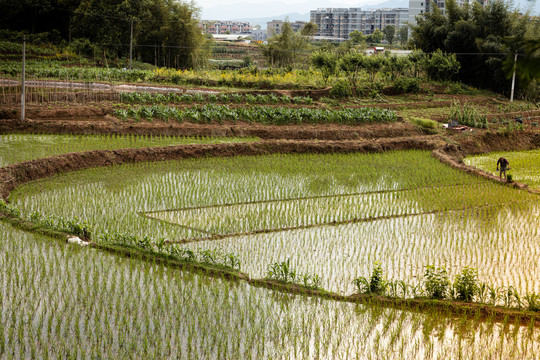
(16, 148)
(332, 215)
(329, 215)
(62, 301)
(524, 165)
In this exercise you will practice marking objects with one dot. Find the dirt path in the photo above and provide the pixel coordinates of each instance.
(109, 125)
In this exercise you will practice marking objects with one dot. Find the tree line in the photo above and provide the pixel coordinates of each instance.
(163, 31)
(485, 40)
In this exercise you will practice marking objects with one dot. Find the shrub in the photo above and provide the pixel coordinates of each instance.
(509, 128)
(436, 282)
(466, 284)
(341, 89)
(376, 283)
(457, 88)
(405, 85)
(441, 66)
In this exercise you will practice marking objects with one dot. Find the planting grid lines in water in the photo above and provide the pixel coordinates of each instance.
(23, 147)
(463, 221)
(524, 165)
(61, 301)
(267, 216)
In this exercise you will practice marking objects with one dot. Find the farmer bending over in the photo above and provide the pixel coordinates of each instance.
(503, 165)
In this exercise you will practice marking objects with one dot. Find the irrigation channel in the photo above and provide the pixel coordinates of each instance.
(331, 208)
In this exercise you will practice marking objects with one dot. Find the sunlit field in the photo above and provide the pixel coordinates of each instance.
(18, 147)
(331, 215)
(524, 165)
(60, 301)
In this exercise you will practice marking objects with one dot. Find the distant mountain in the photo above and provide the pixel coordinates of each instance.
(388, 4)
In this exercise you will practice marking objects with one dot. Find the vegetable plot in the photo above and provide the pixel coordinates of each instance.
(257, 114)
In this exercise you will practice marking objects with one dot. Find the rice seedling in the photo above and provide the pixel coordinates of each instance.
(342, 212)
(23, 147)
(523, 164)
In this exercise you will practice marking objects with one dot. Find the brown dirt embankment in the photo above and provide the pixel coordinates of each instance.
(109, 125)
(17, 174)
(447, 308)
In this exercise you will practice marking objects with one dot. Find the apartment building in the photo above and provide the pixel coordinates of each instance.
(340, 22)
(274, 27)
(418, 7)
(216, 27)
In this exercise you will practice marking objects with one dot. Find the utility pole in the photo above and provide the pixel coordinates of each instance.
(513, 78)
(23, 94)
(131, 45)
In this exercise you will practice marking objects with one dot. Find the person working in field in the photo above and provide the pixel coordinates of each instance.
(503, 166)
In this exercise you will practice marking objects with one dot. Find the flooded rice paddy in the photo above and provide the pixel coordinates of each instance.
(404, 209)
(524, 165)
(61, 301)
(23, 147)
(332, 215)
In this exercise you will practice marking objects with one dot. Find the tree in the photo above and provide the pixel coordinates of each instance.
(309, 29)
(352, 63)
(403, 35)
(357, 37)
(283, 49)
(527, 64)
(442, 67)
(476, 34)
(389, 33)
(35, 16)
(377, 36)
(373, 64)
(326, 61)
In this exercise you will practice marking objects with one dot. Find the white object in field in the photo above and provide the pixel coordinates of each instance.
(77, 241)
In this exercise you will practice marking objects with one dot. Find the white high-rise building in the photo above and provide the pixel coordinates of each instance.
(417, 7)
(340, 22)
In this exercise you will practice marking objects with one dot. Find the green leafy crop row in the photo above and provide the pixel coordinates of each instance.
(258, 114)
(156, 98)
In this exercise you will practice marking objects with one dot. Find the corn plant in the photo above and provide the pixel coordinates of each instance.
(376, 284)
(436, 282)
(468, 115)
(466, 284)
(261, 114)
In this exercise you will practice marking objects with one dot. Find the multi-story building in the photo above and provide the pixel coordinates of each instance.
(274, 27)
(417, 7)
(340, 22)
(259, 35)
(224, 27)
